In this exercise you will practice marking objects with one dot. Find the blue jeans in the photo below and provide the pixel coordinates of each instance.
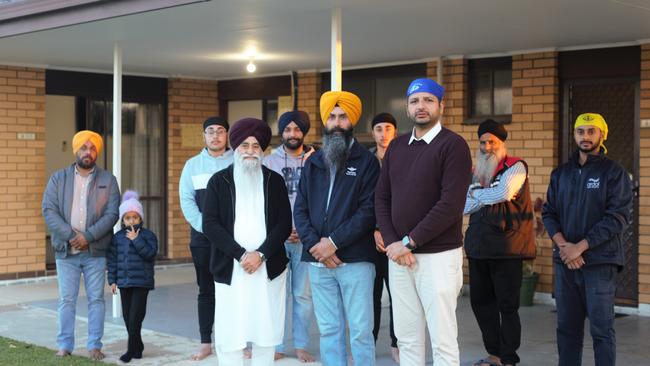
(299, 293)
(69, 271)
(340, 293)
(589, 292)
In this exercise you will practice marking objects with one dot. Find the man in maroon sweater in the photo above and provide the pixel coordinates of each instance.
(419, 203)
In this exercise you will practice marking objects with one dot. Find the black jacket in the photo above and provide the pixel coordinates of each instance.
(130, 262)
(350, 218)
(219, 222)
(592, 202)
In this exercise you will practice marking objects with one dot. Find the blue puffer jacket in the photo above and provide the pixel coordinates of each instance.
(130, 263)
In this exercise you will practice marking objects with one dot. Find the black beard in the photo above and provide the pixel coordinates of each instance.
(336, 144)
(593, 147)
(292, 145)
(82, 165)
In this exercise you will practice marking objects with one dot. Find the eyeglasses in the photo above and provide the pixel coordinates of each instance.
(211, 132)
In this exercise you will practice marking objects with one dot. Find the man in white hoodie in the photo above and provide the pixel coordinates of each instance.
(288, 160)
(195, 176)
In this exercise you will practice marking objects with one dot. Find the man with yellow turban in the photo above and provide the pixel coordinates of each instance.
(587, 213)
(80, 207)
(334, 217)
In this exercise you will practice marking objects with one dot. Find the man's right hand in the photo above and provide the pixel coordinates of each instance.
(79, 241)
(332, 262)
(293, 238)
(576, 263)
(379, 242)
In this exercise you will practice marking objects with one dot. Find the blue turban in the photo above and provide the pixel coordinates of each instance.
(300, 118)
(425, 85)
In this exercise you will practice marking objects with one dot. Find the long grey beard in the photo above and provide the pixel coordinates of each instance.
(486, 164)
(336, 151)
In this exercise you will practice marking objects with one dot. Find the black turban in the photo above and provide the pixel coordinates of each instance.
(493, 127)
(216, 120)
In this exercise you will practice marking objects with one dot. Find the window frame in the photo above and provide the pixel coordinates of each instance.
(491, 65)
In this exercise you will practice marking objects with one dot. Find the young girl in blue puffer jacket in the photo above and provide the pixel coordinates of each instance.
(131, 260)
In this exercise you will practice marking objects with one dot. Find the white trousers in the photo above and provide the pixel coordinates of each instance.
(428, 291)
(261, 356)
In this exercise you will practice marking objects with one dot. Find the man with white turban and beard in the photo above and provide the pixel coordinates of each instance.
(247, 218)
(334, 217)
(498, 238)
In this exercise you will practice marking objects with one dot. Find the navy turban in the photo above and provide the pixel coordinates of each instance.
(299, 117)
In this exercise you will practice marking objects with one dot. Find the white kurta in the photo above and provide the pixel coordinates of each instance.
(251, 308)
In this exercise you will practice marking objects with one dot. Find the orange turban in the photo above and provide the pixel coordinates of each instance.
(83, 136)
(349, 102)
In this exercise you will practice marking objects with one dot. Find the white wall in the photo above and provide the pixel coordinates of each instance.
(60, 127)
(239, 109)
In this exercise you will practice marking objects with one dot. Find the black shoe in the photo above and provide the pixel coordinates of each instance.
(137, 355)
(126, 358)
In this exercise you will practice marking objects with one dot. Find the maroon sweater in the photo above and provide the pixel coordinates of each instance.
(422, 189)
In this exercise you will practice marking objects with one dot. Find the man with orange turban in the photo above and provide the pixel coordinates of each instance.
(80, 207)
(334, 217)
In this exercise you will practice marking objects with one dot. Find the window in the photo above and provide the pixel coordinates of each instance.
(490, 89)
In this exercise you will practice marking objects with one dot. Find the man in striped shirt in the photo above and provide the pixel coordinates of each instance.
(499, 236)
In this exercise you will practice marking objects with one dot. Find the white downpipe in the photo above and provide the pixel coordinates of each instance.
(117, 143)
(337, 51)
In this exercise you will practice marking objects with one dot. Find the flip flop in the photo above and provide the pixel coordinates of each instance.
(486, 361)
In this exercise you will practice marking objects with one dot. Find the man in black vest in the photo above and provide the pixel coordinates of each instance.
(499, 236)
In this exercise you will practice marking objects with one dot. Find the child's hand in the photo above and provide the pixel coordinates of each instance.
(114, 288)
(132, 234)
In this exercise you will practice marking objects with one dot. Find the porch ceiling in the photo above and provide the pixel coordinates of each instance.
(206, 40)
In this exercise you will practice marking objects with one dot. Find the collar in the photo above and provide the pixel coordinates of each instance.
(429, 136)
(76, 171)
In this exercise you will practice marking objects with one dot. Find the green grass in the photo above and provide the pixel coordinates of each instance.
(14, 353)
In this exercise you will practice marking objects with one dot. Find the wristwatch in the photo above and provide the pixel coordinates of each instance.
(262, 256)
(407, 243)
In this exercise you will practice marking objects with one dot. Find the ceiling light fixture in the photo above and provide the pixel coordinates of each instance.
(251, 67)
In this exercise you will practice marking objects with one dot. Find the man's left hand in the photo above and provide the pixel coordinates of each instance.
(79, 241)
(323, 250)
(251, 262)
(570, 252)
(396, 250)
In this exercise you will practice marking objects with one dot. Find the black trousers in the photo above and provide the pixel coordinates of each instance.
(205, 300)
(494, 294)
(381, 277)
(134, 308)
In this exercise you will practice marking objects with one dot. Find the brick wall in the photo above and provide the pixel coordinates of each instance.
(309, 84)
(189, 101)
(22, 172)
(644, 180)
(534, 134)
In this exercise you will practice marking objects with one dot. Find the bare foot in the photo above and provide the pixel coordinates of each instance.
(62, 353)
(278, 356)
(205, 350)
(304, 356)
(247, 353)
(394, 353)
(96, 354)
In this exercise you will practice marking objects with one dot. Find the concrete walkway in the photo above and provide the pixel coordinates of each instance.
(170, 334)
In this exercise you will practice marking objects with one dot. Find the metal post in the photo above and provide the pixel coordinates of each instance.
(337, 51)
(117, 142)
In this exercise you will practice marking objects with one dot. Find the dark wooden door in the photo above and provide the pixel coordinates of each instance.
(617, 101)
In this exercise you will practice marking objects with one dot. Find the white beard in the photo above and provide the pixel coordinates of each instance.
(250, 227)
(486, 165)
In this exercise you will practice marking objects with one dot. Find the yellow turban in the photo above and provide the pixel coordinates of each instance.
(593, 119)
(349, 102)
(83, 136)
